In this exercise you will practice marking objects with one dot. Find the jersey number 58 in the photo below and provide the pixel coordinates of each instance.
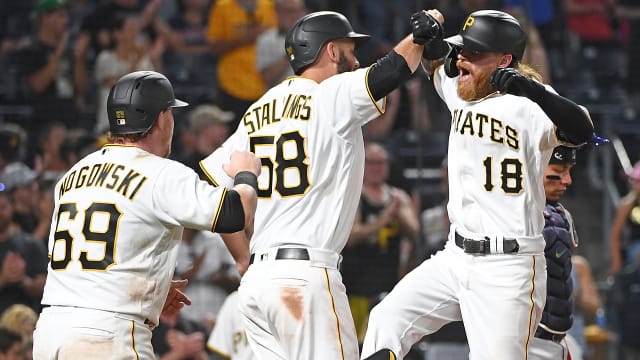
(290, 156)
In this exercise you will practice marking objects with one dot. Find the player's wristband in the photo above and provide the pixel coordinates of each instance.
(246, 177)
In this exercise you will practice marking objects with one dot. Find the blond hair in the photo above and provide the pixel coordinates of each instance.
(15, 316)
(528, 71)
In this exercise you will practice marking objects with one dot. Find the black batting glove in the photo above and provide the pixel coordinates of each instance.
(435, 50)
(425, 28)
(511, 81)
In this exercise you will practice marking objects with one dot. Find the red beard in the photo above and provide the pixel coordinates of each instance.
(477, 88)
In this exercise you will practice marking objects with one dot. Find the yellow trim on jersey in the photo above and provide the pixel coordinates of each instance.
(333, 306)
(120, 145)
(218, 210)
(384, 99)
(209, 176)
(218, 352)
(133, 339)
(533, 288)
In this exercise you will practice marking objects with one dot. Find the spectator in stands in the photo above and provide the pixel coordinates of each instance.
(177, 338)
(188, 52)
(95, 35)
(32, 210)
(23, 262)
(46, 68)
(586, 302)
(210, 126)
(10, 345)
(386, 226)
(271, 59)
(627, 216)
(48, 158)
(13, 140)
(591, 21)
(625, 308)
(189, 27)
(233, 27)
(21, 319)
(130, 53)
(14, 30)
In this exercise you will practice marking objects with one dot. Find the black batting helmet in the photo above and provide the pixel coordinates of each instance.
(491, 31)
(136, 100)
(307, 36)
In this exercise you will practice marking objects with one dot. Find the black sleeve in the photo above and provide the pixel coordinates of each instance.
(386, 74)
(231, 218)
(574, 124)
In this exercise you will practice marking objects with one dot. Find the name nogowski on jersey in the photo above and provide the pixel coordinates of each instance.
(118, 219)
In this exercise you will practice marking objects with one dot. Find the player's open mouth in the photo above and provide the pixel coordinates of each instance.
(464, 74)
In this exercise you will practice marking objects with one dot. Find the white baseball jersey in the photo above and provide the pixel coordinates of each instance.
(499, 147)
(118, 219)
(309, 138)
(228, 337)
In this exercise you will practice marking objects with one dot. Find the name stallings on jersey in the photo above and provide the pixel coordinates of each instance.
(125, 181)
(476, 124)
(294, 107)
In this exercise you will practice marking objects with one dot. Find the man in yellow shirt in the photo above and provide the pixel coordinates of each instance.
(232, 30)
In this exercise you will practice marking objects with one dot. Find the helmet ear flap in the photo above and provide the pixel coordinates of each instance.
(450, 67)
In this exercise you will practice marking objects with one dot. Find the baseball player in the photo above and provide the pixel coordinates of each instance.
(307, 132)
(118, 219)
(228, 338)
(552, 340)
(504, 126)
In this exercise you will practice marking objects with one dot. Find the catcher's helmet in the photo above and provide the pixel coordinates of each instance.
(307, 36)
(491, 31)
(563, 155)
(136, 100)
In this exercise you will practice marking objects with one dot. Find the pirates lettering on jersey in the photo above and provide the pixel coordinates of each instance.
(294, 107)
(481, 125)
(127, 182)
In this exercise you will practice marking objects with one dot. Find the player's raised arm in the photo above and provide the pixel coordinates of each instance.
(574, 124)
(398, 65)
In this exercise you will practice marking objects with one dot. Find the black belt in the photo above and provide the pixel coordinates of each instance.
(472, 246)
(286, 254)
(547, 335)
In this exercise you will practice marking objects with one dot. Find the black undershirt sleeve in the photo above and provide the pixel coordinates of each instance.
(386, 74)
(574, 124)
(231, 218)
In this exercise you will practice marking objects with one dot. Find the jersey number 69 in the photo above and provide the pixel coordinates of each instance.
(60, 258)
